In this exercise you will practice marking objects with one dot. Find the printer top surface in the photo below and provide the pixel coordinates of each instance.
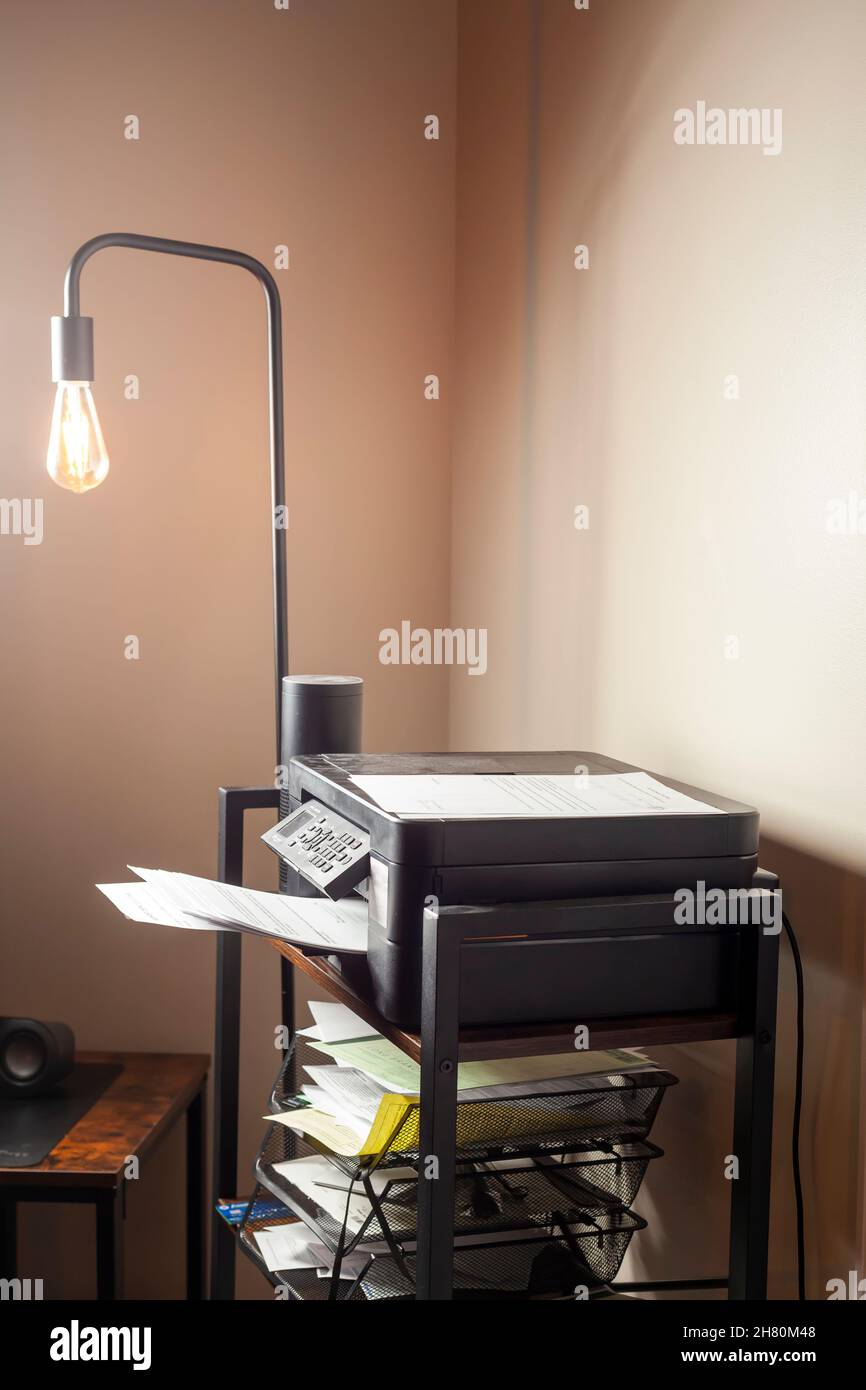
(516, 839)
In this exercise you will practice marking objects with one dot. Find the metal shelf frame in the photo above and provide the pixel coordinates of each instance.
(441, 1044)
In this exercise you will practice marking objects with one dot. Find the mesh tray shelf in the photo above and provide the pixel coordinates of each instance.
(557, 1119)
(553, 1211)
(586, 1250)
(548, 1266)
(523, 1197)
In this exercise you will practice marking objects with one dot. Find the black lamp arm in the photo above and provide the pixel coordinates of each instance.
(75, 333)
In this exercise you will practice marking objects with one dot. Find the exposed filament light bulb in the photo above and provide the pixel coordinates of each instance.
(77, 456)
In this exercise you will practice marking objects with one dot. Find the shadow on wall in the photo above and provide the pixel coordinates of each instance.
(685, 1197)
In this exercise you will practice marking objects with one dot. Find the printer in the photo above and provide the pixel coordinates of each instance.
(336, 837)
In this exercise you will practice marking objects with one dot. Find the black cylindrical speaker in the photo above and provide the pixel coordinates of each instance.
(34, 1056)
(320, 714)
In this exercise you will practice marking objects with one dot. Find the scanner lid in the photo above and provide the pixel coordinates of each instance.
(730, 828)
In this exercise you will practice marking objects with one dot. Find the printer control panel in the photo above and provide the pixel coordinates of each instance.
(329, 851)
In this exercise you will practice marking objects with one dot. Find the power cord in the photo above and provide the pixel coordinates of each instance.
(798, 1107)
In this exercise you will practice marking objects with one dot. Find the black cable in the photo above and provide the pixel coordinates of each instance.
(798, 1106)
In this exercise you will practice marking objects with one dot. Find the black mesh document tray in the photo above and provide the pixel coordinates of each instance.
(543, 1189)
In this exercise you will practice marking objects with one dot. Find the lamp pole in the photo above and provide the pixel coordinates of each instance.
(72, 361)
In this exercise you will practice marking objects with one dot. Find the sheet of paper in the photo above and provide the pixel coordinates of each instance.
(349, 1089)
(321, 1182)
(471, 796)
(339, 1136)
(316, 1096)
(315, 1177)
(346, 1134)
(350, 1266)
(397, 1173)
(337, 1023)
(288, 1247)
(340, 926)
(392, 1069)
(139, 903)
(294, 1246)
(380, 1059)
(513, 1076)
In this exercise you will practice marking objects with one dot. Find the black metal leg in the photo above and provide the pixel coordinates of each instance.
(195, 1197)
(440, 1015)
(109, 1245)
(8, 1239)
(226, 1054)
(233, 803)
(753, 1117)
(227, 1042)
(287, 997)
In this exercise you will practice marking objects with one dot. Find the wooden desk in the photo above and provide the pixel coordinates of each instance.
(129, 1119)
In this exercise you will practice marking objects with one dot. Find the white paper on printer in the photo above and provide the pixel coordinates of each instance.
(340, 926)
(467, 796)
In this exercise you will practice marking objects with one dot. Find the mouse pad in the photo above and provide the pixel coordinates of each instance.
(30, 1128)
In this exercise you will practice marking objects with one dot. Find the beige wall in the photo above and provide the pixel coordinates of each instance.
(258, 127)
(605, 387)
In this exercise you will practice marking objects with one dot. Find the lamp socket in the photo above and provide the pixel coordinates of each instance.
(71, 348)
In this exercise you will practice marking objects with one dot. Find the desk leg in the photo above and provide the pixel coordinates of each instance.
(109, 1245)
(440, 1012)
(195, 1197)
(753, 1119)
(8, 1239)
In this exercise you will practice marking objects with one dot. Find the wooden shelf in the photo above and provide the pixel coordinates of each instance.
(524, 1040)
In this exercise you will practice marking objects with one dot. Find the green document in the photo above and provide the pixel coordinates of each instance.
(388, 1065)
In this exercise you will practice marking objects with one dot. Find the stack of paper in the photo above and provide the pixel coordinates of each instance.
(294, 1246)
(367, 1099)
(181, 900)
(473, 796)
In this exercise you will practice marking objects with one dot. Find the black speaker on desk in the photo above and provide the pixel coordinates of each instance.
(34, 1056)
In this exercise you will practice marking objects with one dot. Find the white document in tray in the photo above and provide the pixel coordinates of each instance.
(295, 1247)
(334, 1023)
(467, 797)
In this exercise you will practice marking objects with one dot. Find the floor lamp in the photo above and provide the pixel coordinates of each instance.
(308, 717)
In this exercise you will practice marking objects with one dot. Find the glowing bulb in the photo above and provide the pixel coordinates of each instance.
(77, 456)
